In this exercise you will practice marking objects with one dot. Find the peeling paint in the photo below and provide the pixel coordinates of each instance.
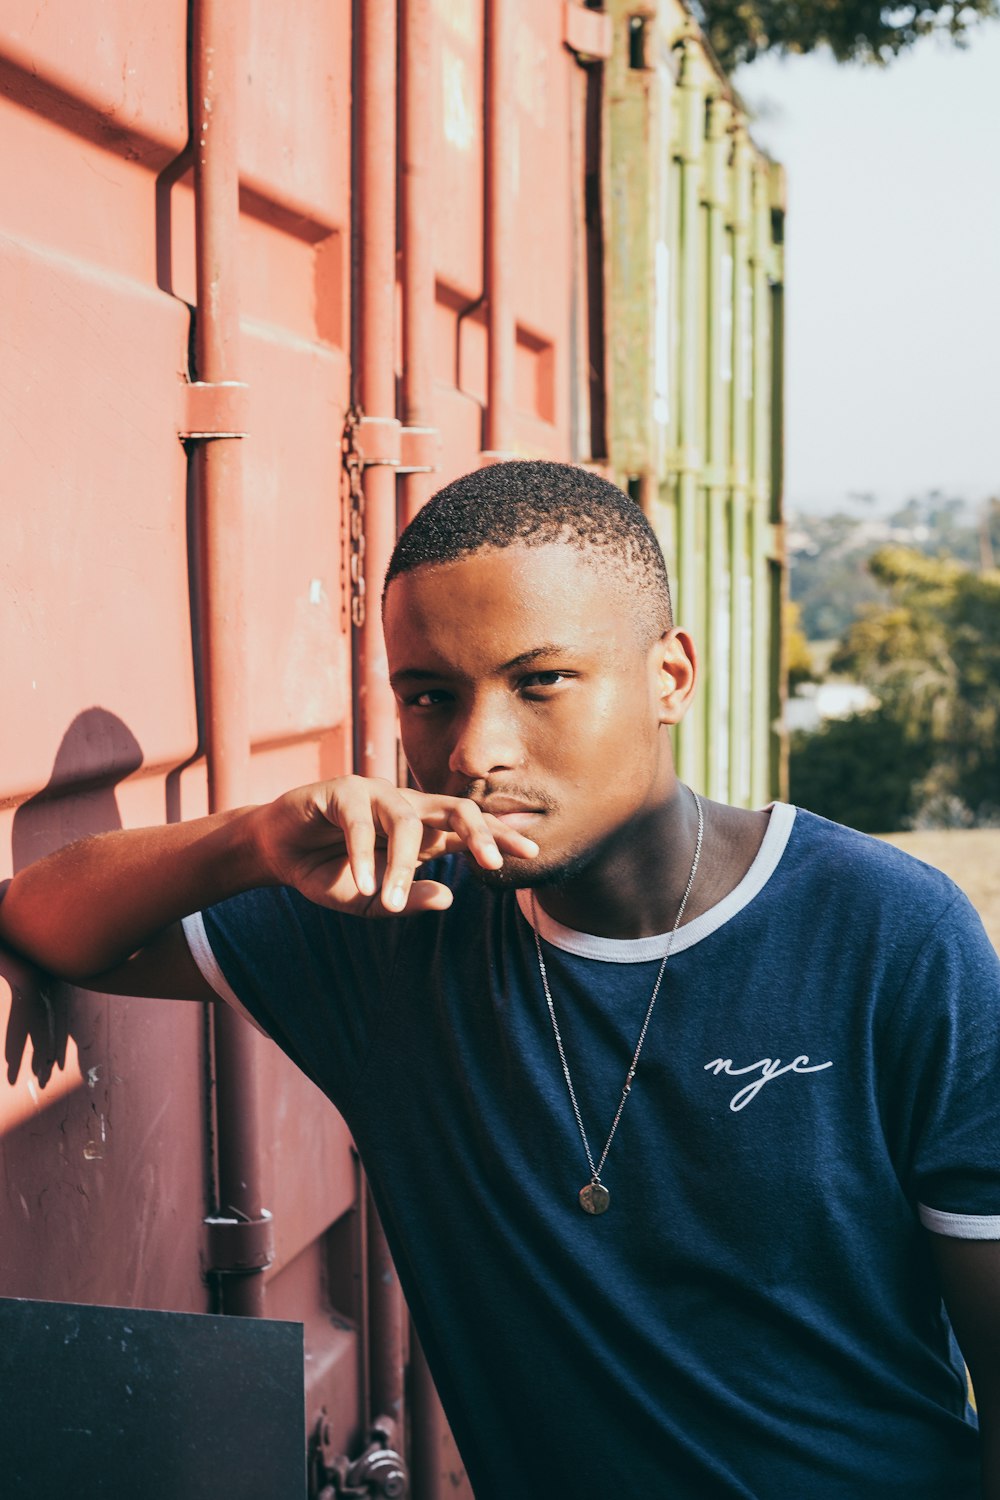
(459, 126)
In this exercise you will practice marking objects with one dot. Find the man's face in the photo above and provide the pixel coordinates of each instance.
(522, 682)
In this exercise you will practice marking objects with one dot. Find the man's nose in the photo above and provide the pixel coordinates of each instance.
(486, 741)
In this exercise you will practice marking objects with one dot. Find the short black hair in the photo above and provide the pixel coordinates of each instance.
(531, 503)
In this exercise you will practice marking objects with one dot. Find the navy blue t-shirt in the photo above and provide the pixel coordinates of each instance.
(757, 1314)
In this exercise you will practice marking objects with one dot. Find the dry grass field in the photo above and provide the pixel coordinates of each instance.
(971, 857)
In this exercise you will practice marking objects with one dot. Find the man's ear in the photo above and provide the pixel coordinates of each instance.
(675, 664)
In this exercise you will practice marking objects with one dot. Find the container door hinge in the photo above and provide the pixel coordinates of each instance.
(213, 410)
(408, 450)
(238, 1246)
(379, 1473)
(588, 33)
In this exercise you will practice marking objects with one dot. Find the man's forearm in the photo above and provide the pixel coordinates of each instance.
(353, 844)
(90, 906)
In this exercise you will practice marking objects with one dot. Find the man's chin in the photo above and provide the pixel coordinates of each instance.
(528, 874)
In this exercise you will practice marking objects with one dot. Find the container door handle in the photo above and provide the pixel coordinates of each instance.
(379, 1473)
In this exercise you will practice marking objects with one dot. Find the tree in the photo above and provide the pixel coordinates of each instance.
(860, 31)
(863, 771)
(797, 653)
(830, 581)
(932, 657)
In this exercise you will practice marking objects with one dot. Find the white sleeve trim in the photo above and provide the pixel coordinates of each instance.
(208, 964)
(960, 1226)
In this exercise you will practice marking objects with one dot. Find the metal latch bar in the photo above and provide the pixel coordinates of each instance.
(419, 450)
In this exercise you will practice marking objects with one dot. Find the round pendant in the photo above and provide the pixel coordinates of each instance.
(594, 1198)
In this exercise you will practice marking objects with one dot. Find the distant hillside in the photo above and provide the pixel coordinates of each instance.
(828, 555)
(911, 606)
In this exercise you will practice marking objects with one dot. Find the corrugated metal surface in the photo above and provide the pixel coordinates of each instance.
(695, 284)
(134, 574)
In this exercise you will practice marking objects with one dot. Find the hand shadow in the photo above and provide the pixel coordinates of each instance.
(39, 1012)
(97, 751)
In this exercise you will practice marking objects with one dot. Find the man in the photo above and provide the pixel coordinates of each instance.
(679, 1117)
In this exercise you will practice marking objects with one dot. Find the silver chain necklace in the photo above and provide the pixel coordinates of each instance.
(594, 1197)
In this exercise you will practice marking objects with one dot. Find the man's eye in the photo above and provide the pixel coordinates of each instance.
(429, 698)
(543, 680)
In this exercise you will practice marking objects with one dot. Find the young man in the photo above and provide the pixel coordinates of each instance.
(679, 1117)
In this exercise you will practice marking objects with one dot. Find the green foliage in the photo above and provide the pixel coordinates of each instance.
(861, 771)
(932, 657)
(861, 31)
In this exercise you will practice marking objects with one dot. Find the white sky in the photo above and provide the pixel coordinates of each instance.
(892, 269)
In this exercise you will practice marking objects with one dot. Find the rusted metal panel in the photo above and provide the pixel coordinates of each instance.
(542, 244)
(98, 536)
(179, 613)
(107, 1154)
(529, 181)
(103, 1114)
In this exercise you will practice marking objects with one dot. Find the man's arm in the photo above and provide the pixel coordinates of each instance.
(970, 1284)
(82, 912)
(104, 913)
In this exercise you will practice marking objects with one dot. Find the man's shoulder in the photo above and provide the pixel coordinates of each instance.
(859, 865)
(871, 917)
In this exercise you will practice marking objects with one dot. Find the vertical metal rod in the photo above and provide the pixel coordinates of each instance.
(499, 436)
(436, 1470)
(717, 649)
(648, 492)
(417, 237)
(375, 187)
(430, 1437)
(691, 145)
(376, 191)
(216, 38)
(596, 211)
(779, 663)
(760, 708)
(739, 622)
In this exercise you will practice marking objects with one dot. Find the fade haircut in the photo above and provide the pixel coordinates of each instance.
(535, 504)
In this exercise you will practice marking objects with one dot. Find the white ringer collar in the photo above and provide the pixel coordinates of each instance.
(641, 950)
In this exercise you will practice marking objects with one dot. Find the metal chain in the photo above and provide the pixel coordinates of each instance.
(595, 1171)
(353, 467)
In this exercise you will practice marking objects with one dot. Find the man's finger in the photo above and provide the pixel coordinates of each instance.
(353, 813)
(405, 833)
(509, 838)
(428, 895)
(488, 838)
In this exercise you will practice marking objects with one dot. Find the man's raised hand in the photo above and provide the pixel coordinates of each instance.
(356, 843)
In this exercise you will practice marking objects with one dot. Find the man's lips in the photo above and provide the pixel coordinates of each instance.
(521, 816)
(521, 822)
(501, 806)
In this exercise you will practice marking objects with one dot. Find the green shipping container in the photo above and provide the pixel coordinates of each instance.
(694, 286)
